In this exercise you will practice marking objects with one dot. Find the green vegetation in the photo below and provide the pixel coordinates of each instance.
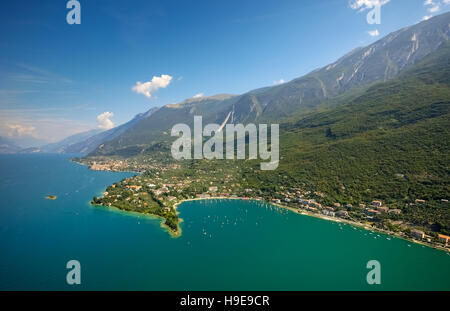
(388, 142)
(137, 194)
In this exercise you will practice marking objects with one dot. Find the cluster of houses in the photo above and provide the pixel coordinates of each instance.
(378, 208)
(118, 165)
(296, 196)
(375, 208)
(293, 197)
(444, 239)
(421, 236)
(133, 188)
(328, 211)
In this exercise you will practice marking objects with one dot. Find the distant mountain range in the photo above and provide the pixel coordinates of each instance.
(337, 83)
(63, 145)
(372, 125)
(334, 84)
(85, 142)
(88, 145)
(8, 146)
(386, 141)
(391, 142)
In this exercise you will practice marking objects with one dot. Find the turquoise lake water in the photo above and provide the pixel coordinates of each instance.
(225, 245)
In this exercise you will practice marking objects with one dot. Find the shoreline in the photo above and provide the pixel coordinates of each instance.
(322, 217)
(173, 234)
(112, 171)
(178, 233)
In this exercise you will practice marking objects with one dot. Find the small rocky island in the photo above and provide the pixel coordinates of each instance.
(51, 197)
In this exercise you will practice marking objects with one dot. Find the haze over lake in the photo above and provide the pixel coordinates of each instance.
(225, 244)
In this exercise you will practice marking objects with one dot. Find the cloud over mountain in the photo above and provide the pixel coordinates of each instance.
(363, 5)
(374, 33)
(17, 130)
(281, 81)
(104, 122)
(147, 88)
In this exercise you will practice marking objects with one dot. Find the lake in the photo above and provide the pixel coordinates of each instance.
(225, 244)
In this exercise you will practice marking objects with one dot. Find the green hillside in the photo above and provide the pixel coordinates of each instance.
(331, 85)
(384, 141)
(392, 144)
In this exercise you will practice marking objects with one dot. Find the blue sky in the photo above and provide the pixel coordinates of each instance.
(56, 78)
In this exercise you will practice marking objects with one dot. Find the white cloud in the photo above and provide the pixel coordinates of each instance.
(199, 95)
(17, 130)
(435, 8)
(281, 81)
(104, 122)
(374, 33)
(43, 124)
(363, 5)
(435, 5)
(37, 75)
(147, 88)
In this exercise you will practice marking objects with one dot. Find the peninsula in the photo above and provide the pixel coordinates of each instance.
(161, 188)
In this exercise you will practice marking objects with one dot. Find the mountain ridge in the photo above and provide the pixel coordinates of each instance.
(352, 73)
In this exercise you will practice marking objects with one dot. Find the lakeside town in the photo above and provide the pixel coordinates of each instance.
(160, 188)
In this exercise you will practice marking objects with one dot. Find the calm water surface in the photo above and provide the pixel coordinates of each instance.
(226, 244)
